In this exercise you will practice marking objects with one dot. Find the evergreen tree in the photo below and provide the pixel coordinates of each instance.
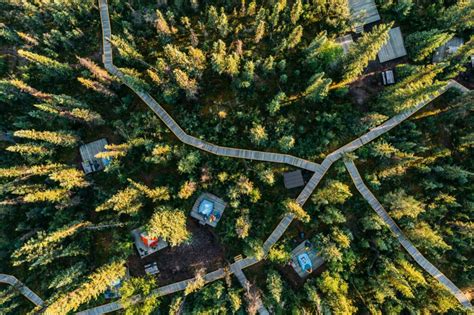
(127, 201)
(422, 44)
(139, 286)
(318, 87)
(90, 289)
(294, 38)
(363, 51)
(258, 135)
(169, 225)
(275, 286)
(296, 11)
(60, 138)
(293, 207)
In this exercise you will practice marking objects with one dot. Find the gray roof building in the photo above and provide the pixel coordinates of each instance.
(363, 12)
(293, 179)
(88, 152)
(394, 48)
(147, 245)
(447, 49)
(208, 209)
(345, 42)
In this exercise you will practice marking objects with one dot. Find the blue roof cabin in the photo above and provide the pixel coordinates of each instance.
(208, 209)
(305, 259)
(88, 152)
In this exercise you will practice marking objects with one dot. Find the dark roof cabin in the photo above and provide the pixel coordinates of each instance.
(388, 77)
(293, 179)
(363, 12)
(208, 209)
(88, 152)
(394, 48)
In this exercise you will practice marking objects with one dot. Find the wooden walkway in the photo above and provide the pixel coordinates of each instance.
(20, 287)
(409, 247)
(318, 169)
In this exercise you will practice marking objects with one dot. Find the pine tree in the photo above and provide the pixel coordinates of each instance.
(139, 286)
(126, 49)
(187, 84)
(69, 178)
(402, 205)
(254, 248)
(294, 38)
(422, 44)
(187, 189)
(98, 72)
(60, 138)
(127, 201)
(335, 192)
(293, 207)
(218, 57)
(318, 87)
(286, 143)
(363, 51)
(44, 61)
(169, 225)
(222, 24)
(276, 103)
(29, 149)
(296, 11)
(39, 249)
(96, 284)
(242, 226)
(161, 24)
(160, 193)
(258, 134)
(95, 86)
(259, 31)
(197, 282)
(275, 286)
(22, 172)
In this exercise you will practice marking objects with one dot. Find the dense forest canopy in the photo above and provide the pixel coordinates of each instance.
(271, 76)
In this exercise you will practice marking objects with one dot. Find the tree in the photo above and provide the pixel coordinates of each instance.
(161, 24)
(318, 87)
(90, 289)
(402, 205)
(422, 44)
(44, 61)
(29, 149)
(258, 134)
(259, 32)
(276, 103)
(363, 51)
(286, 143)
(254, 248)
(60, 138)
(184, 82)
(279, 254)
(296, 11)
(196, 283)
(169, 225)
(293, 207)
(242, 226)
(126, 201)
(41, 250)
(275, 286)
(335, 192)
(187, 189)
(139, 286)
(188, 163)
(294, 38)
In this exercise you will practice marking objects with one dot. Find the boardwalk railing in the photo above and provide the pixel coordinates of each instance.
(20, 287)
(409, 247)
(318, 169)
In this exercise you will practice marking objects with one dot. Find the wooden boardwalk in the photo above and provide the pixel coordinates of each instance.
(409, 247)
(318, 169)
(20, 287)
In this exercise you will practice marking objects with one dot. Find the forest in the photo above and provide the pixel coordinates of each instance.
(271, 76)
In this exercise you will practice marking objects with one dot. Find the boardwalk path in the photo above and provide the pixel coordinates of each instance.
(414, 253)
(20, 287)
(319, 170)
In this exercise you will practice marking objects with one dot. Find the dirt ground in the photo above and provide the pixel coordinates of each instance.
(181, 262)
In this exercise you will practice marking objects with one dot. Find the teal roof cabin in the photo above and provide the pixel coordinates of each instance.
(208, 209)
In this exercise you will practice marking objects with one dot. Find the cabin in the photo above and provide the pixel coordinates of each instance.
(394, 48)
(447, 49)
(305, 259)
(388, 77)
(88, 152)
(145, 244)
(345, 42)
(363, 12)
(208, 209)
(293, 179)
